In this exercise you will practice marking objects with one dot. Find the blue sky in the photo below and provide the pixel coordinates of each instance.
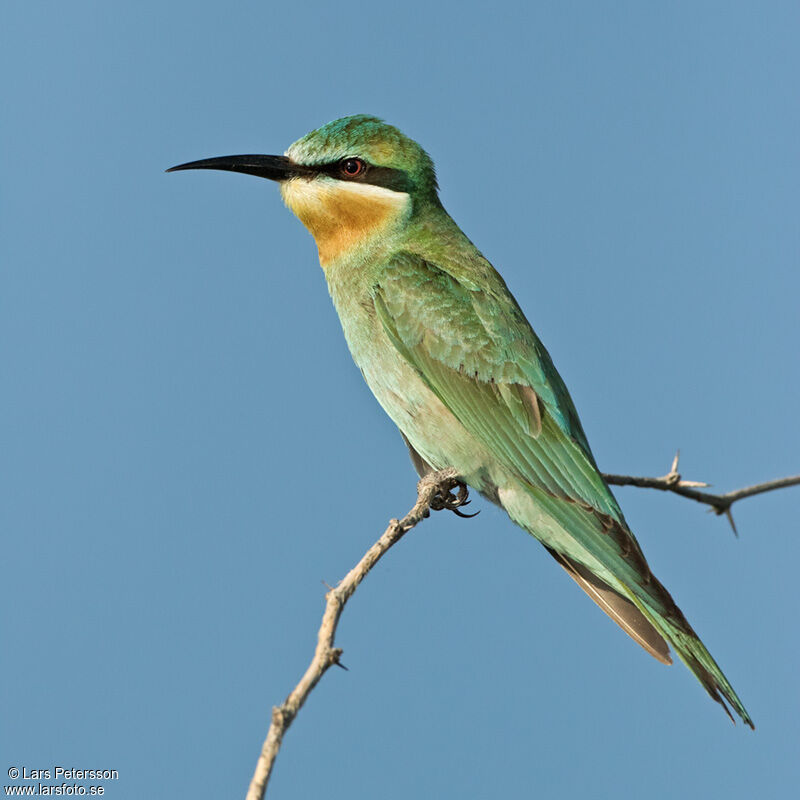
(188, 451)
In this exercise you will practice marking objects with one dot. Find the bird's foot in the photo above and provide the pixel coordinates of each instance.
(452, 494)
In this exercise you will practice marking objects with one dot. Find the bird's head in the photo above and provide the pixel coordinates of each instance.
(349, 181)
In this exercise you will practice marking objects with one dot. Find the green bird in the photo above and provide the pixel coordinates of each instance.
(448, 353)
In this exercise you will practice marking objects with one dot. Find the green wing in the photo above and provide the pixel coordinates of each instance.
(476, 351)
(478, 354)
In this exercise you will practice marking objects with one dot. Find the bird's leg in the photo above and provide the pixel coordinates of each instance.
(446, 481)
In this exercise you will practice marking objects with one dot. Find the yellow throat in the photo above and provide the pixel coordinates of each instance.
(340, 215)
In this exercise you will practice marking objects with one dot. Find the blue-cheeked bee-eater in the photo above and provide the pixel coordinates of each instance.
(448, 353)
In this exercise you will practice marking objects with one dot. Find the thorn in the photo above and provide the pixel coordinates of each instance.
(674, 468)
(730, 519)
(335, 655)
(327, 586)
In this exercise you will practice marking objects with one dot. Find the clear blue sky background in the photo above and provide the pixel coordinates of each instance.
(188, 451)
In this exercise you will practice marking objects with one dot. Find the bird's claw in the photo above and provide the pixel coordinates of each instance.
(453, 502)
(463, 515)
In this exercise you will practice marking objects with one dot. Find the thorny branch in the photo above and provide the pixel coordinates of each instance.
(435, 491)
(719, 503)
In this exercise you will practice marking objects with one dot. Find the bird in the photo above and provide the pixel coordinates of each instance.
(452, 359)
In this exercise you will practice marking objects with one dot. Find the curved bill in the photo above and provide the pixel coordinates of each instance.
(276, 168)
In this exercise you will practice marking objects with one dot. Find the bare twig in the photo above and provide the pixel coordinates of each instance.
(719, 503)
(433, 492)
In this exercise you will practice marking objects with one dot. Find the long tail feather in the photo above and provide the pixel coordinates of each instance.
(700, 662)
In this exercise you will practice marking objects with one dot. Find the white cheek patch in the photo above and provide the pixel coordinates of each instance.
(325, 192)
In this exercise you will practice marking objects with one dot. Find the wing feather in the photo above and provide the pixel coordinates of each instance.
(619, 608)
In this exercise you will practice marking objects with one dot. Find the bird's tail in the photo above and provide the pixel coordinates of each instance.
(693, 653)
(599, 551)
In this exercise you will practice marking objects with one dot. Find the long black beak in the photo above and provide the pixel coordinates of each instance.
(276, 168)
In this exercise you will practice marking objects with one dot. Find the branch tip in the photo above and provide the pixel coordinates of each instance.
(718, 503)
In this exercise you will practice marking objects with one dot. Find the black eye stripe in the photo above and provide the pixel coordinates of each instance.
(395, 179)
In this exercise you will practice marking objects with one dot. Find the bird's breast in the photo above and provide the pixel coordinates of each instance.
(416, 410)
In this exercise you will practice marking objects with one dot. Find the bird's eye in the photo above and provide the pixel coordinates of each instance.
(352, 167)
